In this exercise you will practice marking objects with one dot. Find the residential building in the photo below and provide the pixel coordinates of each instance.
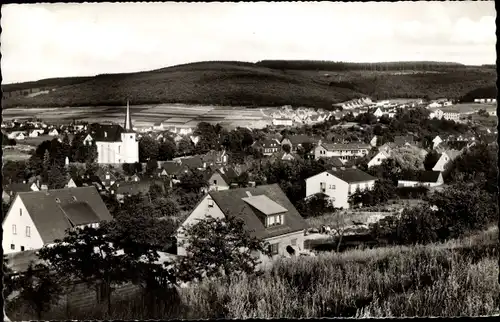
(17, 135)
(266, 211)
(9, 191)
(339, 184)
(214, 158)
(296, 141)
(282, 122)
(436, 141)
(53, 132)
(344, 152)
(220, 179)
(114, 143)
(87, 181)
(38, 218)
(379, 158)
(124, 189)
(446, 157)
(450, 114)
(173, 169)
(35, 133)
(267, 146)
(421, 178)
(283, 156)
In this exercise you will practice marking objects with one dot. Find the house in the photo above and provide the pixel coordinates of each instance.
(38, 218)
(192, 162)
(87, 181)
(296, 141)
(106, 177)
(10, 190)
(173, 169)
(344, 152)
(436, 141)
(114, 143)
(267, 146)
(379, 158)
(282, 122)
(194, 139)
(445, 159)
(122, 189)
(17, 135)
(213, 158)
(221, 179)
(36, 133)
(266, 212)
(450, 114)
(434, 105)
(283, 156)
(53, 132)
(421, 178)
(373, 141)
(403, 140)
(339, 184)
(158, 126)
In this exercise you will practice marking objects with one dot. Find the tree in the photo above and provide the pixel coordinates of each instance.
(8, 282)
(315, 206)
(286, 147)
(483, 112)
(306, 149)
(128, 169)
(193, 181)
(40, 288)
(339, 226)
(431, 159)
(148, 148)
(46, 165)
(56, 178)
(185, 146)
(151, 166)
(166, 150)
(218, 247)
(87, 255)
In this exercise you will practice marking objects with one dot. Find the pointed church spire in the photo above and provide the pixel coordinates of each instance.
(128, 119)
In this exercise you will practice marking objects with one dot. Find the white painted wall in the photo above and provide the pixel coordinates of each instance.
(126, 151)
(377, 159)
(335, 188)
(203, 209)
(21, 221)
(284, 240)
(441, 163)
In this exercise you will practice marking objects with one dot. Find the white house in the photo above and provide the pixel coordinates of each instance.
(339, 184)
(35, 133)
(282, 122)
(422, 178)
(446, 157)
(434, 105)
(378, 158)
(17, 135)
(114, 143)
(38, 218)
(265, 210)
(378, 113)
(436, 141)
(343, 151)
(53, 132)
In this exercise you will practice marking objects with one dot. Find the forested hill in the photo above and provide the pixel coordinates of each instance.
(266, 83)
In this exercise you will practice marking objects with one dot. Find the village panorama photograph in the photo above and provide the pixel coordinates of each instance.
(249, 160)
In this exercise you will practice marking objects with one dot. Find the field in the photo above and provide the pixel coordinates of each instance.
(253, 85)
(455, 278)
(147, 115)
(14, 154)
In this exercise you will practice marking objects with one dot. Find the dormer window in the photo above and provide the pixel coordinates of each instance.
(210, 203)
(274, 220)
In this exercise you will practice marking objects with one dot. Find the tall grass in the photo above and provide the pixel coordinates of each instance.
(455, 278)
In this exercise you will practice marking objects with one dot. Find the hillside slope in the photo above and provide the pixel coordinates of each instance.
(248, 84)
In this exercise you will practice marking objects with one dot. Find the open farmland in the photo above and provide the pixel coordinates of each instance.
(147, 115)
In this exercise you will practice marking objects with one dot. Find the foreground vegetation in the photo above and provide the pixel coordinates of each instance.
(267, 83)
(455, 278)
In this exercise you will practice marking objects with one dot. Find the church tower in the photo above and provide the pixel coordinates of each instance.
(128, 152)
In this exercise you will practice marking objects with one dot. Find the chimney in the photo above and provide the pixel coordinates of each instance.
(105, 134)
(248, 193)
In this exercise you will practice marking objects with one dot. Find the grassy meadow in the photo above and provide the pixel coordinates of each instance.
(455, 278)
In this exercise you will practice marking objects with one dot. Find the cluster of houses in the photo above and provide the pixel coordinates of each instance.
(287, 116)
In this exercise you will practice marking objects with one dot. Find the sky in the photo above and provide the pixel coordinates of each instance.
(59, 40)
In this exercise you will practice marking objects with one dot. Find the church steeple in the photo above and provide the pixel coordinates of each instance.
(128, 119)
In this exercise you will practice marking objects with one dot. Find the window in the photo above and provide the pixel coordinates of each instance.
(210, 203)
(12, 246)
(20, 212)
(107, 177)
(28, 231)
(131, 136)
(215, 181)
(294, 242)
(14, 230)
(22, 248)
(322, 186)
(332, 186)
(274, 248)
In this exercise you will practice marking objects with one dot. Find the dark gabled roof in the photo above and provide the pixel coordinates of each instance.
(193, 162)
(346, 146)
(80, 213)
(421, 176)
(229, 175)
(105, 132)
(301, 138)
(351, 175)
(335, 161)
(133, 187)
(46, 209)
(17, 187)
(88, 181)
(232, 204)
(173, 167)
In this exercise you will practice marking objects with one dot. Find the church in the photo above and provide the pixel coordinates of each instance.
(115, 144)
